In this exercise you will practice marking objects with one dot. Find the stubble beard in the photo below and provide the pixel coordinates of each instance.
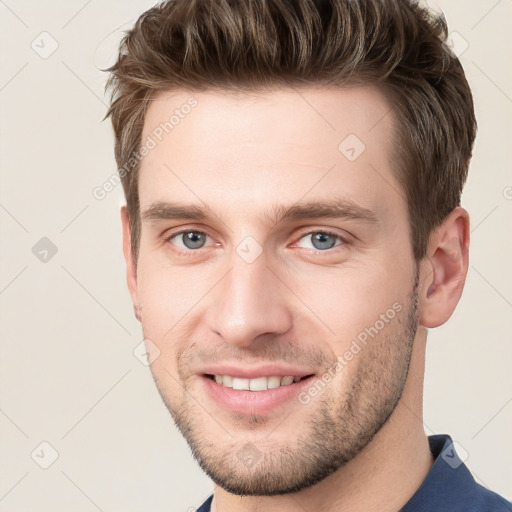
(332, 435)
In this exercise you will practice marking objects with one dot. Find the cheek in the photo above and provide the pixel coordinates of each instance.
(165, 302)
(167, 292)
(172, 306)
(348, 301)
(164, 298)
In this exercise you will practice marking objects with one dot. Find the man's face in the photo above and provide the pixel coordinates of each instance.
(274, 245)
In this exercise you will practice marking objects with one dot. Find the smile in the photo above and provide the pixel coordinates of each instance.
(255, 384)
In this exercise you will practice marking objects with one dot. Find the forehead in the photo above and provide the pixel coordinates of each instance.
(294, 114)
(268, 146)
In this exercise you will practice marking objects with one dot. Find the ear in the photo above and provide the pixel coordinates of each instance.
(444, 269)
(131, 266)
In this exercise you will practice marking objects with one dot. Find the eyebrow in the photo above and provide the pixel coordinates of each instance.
(339, 209)
(162, 211)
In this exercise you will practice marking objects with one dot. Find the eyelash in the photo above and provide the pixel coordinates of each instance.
(344, 241)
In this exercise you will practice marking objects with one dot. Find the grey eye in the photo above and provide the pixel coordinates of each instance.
(193, 239)
(323, 241)
(320, 240)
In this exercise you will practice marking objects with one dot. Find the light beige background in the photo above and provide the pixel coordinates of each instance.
(68, 375)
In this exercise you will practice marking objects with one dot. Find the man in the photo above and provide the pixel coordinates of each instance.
(293, 173)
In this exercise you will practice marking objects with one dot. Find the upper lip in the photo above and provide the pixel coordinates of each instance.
(252, 372)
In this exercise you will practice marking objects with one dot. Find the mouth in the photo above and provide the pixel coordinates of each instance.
(257, 395)
(262, 383)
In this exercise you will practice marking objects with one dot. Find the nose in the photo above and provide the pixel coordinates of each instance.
(248, 302)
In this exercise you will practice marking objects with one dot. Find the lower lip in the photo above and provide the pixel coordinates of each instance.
(253, 402)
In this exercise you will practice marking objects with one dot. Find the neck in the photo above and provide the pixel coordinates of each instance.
(383, 477)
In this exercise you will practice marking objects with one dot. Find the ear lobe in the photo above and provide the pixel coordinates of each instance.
(445, 274)
(131, 266)
(136, 311)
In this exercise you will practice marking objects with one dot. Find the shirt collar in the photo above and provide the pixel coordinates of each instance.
(447, 485)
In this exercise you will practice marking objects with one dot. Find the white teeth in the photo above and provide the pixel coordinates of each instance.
(240, 383)
(273, 382)
(256, 384)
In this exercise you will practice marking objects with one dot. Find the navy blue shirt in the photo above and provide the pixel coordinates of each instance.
(448, 486)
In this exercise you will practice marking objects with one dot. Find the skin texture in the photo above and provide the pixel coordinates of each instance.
(360, 443)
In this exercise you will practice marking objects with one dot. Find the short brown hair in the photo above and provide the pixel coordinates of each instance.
(243, 45)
